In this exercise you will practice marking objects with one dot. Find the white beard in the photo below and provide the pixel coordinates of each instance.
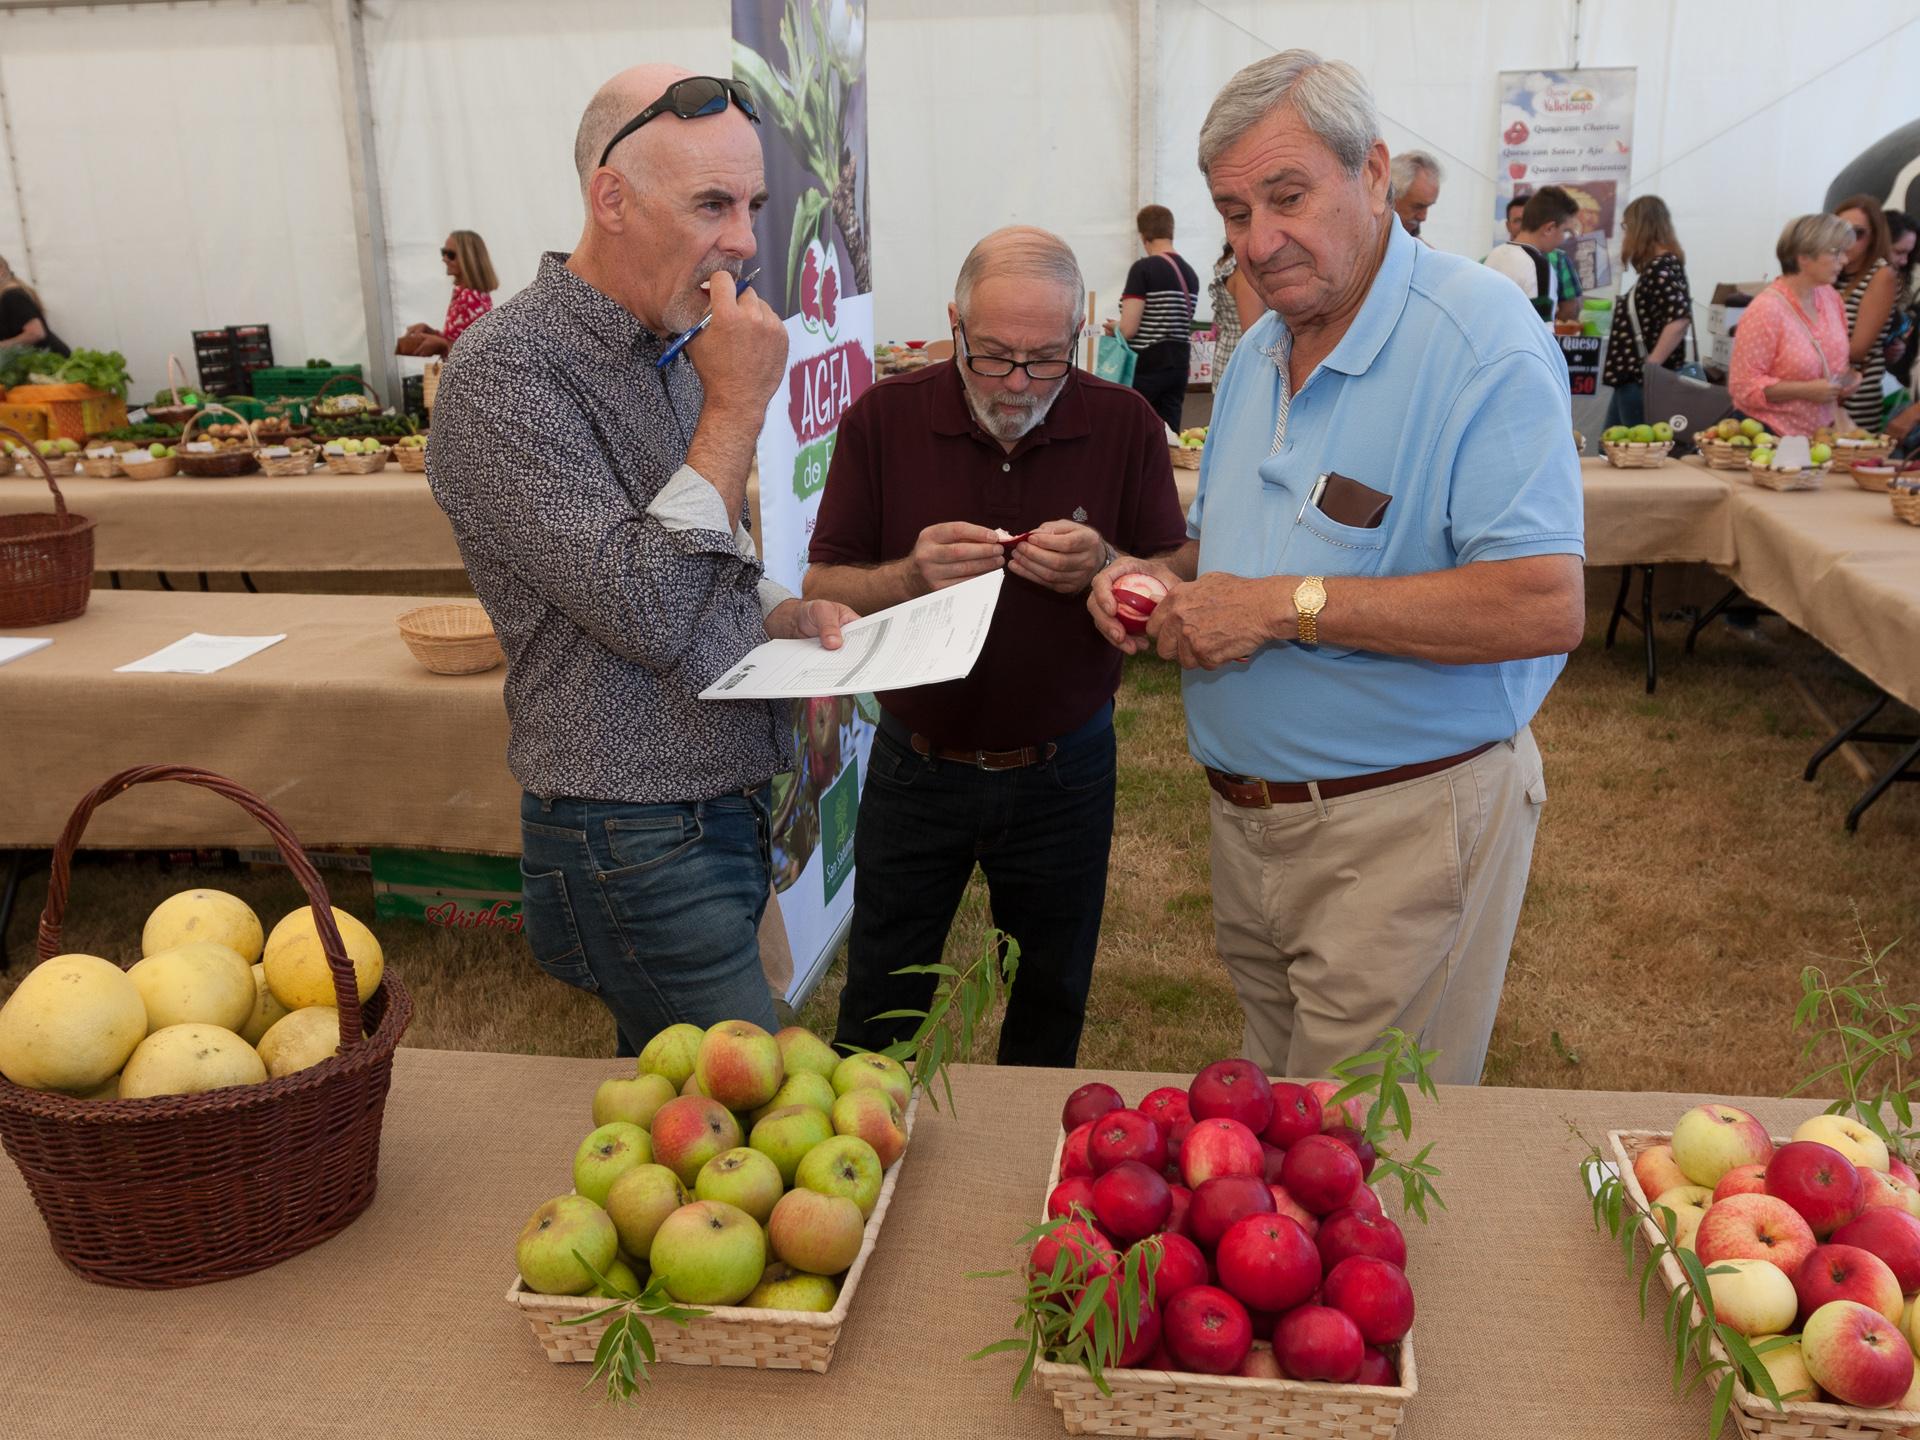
(1003, 426)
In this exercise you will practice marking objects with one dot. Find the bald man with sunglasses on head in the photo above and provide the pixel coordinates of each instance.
(596, 481)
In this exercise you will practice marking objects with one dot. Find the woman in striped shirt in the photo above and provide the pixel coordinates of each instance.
(1868, 287)
(1156, 315)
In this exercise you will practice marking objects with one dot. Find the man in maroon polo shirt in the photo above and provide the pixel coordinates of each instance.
(1013, 767)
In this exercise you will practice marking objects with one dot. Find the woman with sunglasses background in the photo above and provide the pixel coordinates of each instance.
(1868, 287)
(467, 262)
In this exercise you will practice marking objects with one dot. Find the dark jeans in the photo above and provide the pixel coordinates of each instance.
(1163, 381)
(1040, 834)
(654, 908)
(1627, 405)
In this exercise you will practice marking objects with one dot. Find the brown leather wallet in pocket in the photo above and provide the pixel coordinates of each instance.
(1348, 502)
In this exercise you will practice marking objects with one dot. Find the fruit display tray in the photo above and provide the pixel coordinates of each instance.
(1645, 456)
(1224, 1407)
(1185, 457)
(1754, 1415)
(727, 1334)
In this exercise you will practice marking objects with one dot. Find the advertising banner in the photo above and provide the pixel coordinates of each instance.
(1574, 129)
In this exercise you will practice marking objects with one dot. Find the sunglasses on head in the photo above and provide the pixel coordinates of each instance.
(691, 98)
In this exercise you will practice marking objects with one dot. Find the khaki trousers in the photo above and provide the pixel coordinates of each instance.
(1393, 907)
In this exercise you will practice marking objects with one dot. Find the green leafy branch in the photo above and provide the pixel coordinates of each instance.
(1382, 1073)
(626, 1350)
(1689, 1322)
(1873, 1036)
(962, 1000)
(1064, 1317)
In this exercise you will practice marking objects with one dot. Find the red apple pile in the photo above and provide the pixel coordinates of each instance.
(1275, 1259)
(1821, 1240)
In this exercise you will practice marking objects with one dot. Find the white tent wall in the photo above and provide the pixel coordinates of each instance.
(182, 167)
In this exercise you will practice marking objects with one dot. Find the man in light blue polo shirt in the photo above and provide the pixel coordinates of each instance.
(1382, 583)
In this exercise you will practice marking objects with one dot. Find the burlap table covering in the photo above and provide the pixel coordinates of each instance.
(1668, 515)
(337, 726)
(256, 523)
(1527, 1326)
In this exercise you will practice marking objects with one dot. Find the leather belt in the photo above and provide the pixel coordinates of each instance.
(986, 759)
(1250, 793)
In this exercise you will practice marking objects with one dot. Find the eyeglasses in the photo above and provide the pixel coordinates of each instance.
(691, 98)
(447, 254)
(996, 367)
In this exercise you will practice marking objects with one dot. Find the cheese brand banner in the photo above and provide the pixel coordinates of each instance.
(1574, 129)
(806, 63)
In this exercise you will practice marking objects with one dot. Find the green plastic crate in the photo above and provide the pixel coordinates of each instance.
(299, 382)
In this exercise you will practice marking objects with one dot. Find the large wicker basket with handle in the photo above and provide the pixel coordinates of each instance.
(178, 413)
(46, 561)
(221, 464)
(178, 1190)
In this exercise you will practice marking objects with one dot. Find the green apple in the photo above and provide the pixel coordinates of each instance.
(621, 1281)
(640, 1200)
(814, 1293)
(1640, 435)
(1751, 427)
(742, 1178)
(545, 1252)
(157, 450)
(880, 1072)
(799, 1088)
(817, 1233)
(1614, 435)
(1662, 432)
(605, 1154)
(709, 1253)
(65, 446)
(1787, 1367)
(1762, 458)
(1740, 442)
(633, 1098)
(1727, 429)
(671, 1053)
(845, 1165)
(872, 1115)
(785, 1136)
(1820, 454)
(738, 1064)
(44, 447)
(802, 1051)
(690, 1130)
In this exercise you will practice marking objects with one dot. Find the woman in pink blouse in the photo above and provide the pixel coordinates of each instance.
(1790, 350)
(465, 256)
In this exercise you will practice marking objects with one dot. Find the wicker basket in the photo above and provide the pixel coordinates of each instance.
(1767, 478)
(314, 412)
(178, 1190)
(412, 458)
(222, 464)
(299, 459)
(1225, 1407)
(1719, 455)
(371, 464)
(101, 464)
(146, 467)
(1849, 453)
(727, 1334)
(1184, 457)
(46, 561)
(176, 413)
(451, 639)
(1879, 480)
(62, 465)
(1629, 456)
(1906, 505)
(1755, 1416)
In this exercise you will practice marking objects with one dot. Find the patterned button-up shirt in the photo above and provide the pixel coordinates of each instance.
(615, 583)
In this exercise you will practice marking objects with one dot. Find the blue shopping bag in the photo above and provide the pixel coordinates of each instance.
(1114, 359)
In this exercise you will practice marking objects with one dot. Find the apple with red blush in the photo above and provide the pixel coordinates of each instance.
(1135, 598)
(1125, 1135)
(1319, 1342)
(1219, 1147)
(1321, 1172)
(1267, 1262)
(1232, 1090)
(1089, 1102)
(1206, 1330)
(1285, 1204)
(1374, 1294)
(1296, 1115)
(1820, 1183)
(1070, 1195)
(1073, 1154)
(1219, 1202)
(1131, 1201)
(1356, 1142)
(1181, 1267)
(1354, 1232)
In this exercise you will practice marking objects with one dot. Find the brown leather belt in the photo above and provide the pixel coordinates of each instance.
(1249, 793)
(986, 759)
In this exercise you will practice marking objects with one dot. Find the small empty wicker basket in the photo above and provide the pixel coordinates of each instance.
(451, 639)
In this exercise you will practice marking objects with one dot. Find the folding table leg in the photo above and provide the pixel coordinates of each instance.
(165, 584)
(204, 586)
(1900, 770)
(1646, 625)
(1714, 612)
(1843, 735)
(20, 863)
(247, 581)
(1619, 605)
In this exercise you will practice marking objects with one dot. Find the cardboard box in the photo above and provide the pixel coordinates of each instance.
(1723, 317)
(456, 892)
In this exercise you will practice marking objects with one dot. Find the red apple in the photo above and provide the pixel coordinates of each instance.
(1900, 1170)
(1069, 1195)
(1296, 1115)
(1320, 1173)
(1364, 1200)
(1207, 1330)
(1134, 599)
(1376, 1369)
(1131, 1201)
(1219, 1202)
(1375, 1294)
(1741, 1180)
(1267, 1262)
(1317, 1342)
(1260, 1364)
(1073, 1155)
(1219, 1147)
(1349, 1112)
(1079, 1238)
(1819, 1182)
(1355, 1232)
(1181, 1267)
(1285, 1204)
(1356, 1142)
(1089, 1102)
(1232, 1090)
(1125, 1135)
(1166, 1105)
(1856, 1355)
(1272, 1157)
(1755, 1227)
(1177, 1133)
(1177, 1216)
(1878, 1187)
(1846, 1272)
(1894, 1236)
(1145, 1338)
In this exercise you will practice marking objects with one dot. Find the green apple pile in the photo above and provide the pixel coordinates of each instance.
(357, 447)
(411, 442)
(737, 1167)
(158, 451)
(52, 448)
(1660, 433)
(1193, 438)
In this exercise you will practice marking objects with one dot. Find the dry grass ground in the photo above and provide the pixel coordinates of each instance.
(1684, 876)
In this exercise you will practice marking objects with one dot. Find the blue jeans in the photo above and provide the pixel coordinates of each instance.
(1627, 406)
(654, 908)
(1041, 835)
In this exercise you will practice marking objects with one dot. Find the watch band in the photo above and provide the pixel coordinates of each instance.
(1309, 627)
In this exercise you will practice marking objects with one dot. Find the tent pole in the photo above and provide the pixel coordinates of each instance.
(369, 213)
(19, 195)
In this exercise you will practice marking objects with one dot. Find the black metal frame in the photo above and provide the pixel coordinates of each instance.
(20, 864)
(1901, 771)
(1734, 596)
(1643, 621)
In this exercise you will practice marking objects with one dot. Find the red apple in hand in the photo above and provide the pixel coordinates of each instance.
(1316, 1342)
(1296, 1115)
(1819, 1182)
(1355, 1232)
(1207, 1330)
(1125, 1135)
(1089, 1102)
(1131, 1201)
(1268, 1263)
(1070, 1195)
(1073, 1154)
(1374, 1294)
(1135, 597)
(1166, 1105)
(1220, 1147)
(1219, 1202)
(1232, 1090)
(1321, 1173)
(1894, 1236)
(1181, 1267)
(1376, 1369)
(1846, 1272)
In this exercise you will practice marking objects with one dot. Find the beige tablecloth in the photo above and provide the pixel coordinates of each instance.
(1671, 514)
(337, 726)
(255, 523)
(1528, 1328)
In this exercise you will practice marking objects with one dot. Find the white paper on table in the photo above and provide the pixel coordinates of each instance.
(12, 647)
(199, 654)
(1794, 452)
(921, 642)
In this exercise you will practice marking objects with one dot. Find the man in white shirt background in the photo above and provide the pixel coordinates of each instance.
(1544, 227)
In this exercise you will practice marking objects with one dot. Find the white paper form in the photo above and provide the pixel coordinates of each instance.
(921, 642)
(199, 654)
(12, 647)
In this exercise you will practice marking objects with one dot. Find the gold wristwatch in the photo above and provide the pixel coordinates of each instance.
(1309, 599)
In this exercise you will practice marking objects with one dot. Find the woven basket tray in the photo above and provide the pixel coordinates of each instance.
(1846, 456)
(176, 413)
(1721, 456)
(1906, 506)
(1225, 1407)
(412, 458)
(1767, 478)
(148, 468)
(222, 464)
(178, 1190)
(1638, 457)
(300, 460)
(727, 1334)
(1755, 1415)
(102, 467)
(1879, 483)
(451, 639)
(1184, 457)
(61, 465)
(356, 464)
(46, 561)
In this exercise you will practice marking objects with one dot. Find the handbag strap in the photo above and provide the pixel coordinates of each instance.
(1630, 307)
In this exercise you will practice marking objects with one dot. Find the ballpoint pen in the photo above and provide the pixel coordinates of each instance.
(740, 288)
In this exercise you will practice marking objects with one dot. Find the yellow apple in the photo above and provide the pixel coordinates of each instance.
(1849, 1137)
(1787, 1367)
(1754, 1297)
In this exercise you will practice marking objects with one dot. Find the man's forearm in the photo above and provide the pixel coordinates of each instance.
(722, 451)
(865, 588)
(1184, 562)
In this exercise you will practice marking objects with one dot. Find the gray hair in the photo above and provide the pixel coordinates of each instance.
(1023, 252)
(1329, 96)
(1809, 235)
(1409, 163)
(609, 109)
